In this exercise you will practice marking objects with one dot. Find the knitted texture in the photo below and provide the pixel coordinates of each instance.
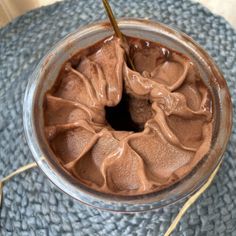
(32, 205)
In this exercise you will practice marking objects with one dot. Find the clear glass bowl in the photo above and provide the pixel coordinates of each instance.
(45, 74)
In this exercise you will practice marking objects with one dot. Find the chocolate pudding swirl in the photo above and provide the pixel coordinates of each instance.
(128, 132)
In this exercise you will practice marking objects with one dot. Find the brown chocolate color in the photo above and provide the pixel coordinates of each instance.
(128, 132)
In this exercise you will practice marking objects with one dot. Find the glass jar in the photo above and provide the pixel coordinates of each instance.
(44, 77)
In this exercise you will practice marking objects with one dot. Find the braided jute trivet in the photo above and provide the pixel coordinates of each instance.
(32, 205)
(175, 222)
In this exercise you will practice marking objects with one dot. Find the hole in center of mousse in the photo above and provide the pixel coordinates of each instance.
(130, 114)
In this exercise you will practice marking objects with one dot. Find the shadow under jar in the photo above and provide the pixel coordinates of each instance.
(46, 74)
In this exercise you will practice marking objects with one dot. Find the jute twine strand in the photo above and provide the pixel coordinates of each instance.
(18, 171)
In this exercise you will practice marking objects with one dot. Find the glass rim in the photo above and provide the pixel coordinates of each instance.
(94, 198)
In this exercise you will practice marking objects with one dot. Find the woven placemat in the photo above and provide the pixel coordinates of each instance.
(31, 204)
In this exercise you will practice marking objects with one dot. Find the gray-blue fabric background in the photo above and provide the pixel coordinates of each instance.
(31, 204)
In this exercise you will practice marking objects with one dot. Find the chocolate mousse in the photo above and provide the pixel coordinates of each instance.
(124, 131)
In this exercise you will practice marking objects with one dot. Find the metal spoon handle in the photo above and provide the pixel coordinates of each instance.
(117, 30)
(112, 19)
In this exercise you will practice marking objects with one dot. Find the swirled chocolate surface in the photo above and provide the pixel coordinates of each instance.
(128, 132)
